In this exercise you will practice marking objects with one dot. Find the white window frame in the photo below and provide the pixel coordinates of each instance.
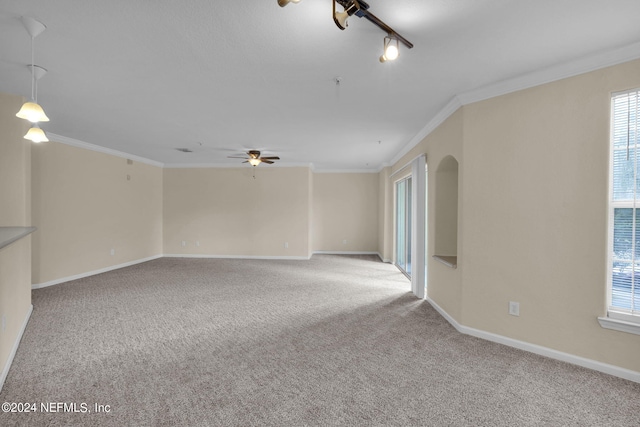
(618, 319)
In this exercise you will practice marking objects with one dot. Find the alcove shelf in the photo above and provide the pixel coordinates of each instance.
(9, 235)
(448, 260)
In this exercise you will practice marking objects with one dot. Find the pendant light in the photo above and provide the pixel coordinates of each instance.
(31, 111)
(35, 134)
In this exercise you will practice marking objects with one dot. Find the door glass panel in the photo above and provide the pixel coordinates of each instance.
(403, 225)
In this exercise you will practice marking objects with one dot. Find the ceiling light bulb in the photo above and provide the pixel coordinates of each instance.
(32, 112)
(391, 52)
(37, 135)
(254, 162)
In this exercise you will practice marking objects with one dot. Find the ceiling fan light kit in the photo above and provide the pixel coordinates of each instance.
(254, 158)
(361, 10)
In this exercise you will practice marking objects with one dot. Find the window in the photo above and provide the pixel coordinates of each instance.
(624, 211)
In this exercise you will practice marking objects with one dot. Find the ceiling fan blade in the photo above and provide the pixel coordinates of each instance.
(246, 161)
(269, 162)
(270, 158)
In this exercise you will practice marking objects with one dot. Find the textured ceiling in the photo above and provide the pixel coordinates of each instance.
(219, 78)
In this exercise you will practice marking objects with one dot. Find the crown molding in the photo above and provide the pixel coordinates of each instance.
(229, 165)
(442, 115)
(322, 171)
(547, 75)
(551, 74)
(81, 144)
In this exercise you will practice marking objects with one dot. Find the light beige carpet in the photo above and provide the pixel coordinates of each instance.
(334, 341)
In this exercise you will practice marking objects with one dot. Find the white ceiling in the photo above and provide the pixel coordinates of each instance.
(220, 77)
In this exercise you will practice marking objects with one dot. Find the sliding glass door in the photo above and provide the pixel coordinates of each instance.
(403, 225)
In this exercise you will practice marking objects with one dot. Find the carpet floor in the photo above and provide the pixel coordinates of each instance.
(333, 341)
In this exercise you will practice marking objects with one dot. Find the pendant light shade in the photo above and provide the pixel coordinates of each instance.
(35, 134)
(32, 112)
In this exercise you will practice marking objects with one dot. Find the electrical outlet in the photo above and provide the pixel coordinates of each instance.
(4, 323)
(197, 242)
(184, 243)
(286, 245)
(344, 242)
(113, 252)
(514, 308)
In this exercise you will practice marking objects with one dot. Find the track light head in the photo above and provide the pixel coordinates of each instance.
(283, 3)
(340, 18)
(391, 51)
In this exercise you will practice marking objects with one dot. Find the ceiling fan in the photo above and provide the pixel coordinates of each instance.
(254, 158)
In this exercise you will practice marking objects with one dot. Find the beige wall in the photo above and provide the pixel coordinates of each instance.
(345, 208)
(84, 206)
(15, 210)
(535, 190)
(229, 213)
(532, 215)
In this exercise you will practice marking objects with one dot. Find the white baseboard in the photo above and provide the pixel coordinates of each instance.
(388, 261)
(127, 264)
(92, 273)
(235, 256)
(616, 371)
(14, 349)
(346, 253)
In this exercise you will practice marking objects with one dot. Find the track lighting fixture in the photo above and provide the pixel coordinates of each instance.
(361, 9)
(390, 52)
(31, 111)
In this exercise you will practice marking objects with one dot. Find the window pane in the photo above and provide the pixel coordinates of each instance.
(623, 174)
(621, 287)
(622, 234)
(625, 275)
